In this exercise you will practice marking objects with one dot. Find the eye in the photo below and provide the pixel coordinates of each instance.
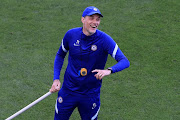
(98, 19)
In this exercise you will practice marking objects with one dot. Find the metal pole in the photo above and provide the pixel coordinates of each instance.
(29, 106)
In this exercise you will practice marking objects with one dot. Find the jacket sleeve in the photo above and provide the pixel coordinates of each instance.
(112, 48)
(58, 62)
(59, 59)
(122, 61)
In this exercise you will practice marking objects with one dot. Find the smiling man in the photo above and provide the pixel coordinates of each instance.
(88, 51)
(90, 24)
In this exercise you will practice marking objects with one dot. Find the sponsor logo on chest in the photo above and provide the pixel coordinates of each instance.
(77, 43)
(93, 47)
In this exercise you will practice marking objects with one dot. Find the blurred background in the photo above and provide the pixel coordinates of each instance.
(147, 31)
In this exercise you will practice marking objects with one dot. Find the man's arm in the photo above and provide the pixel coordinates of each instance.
(58, 62)
(122, 62)
(121, 65)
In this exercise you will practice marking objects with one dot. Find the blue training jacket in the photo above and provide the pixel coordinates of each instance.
(88, 52)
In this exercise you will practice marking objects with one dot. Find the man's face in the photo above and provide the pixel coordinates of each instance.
(90, 24)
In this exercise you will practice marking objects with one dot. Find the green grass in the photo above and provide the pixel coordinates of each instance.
(147, 31)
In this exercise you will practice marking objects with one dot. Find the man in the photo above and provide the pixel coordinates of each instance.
(88, 51)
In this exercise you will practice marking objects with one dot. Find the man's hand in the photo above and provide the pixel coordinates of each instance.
(101, 73)
(55, 86)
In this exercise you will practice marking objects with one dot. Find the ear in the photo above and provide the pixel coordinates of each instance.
(82, 19)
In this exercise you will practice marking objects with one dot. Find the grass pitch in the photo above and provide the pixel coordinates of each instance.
(147, 31)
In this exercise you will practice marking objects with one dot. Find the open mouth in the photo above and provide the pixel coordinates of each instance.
(93, 26)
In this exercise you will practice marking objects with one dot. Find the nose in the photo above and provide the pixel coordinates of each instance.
(95, 22)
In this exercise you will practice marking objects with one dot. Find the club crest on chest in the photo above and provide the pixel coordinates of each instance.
(93, 47)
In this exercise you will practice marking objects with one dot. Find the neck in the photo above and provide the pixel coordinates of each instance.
(86, 32)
